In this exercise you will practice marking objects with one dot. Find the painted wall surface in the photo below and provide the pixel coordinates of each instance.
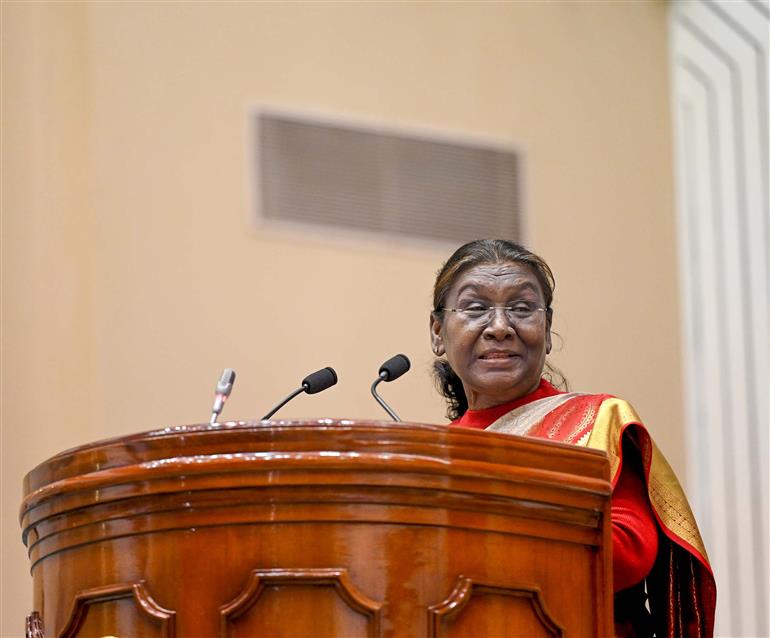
(132, 273)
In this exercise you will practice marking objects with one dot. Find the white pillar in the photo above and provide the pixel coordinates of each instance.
(719, 66)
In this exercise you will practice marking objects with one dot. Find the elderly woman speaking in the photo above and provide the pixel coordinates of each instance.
(491, 331)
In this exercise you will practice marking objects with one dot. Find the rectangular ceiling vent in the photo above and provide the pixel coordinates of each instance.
(340, 176)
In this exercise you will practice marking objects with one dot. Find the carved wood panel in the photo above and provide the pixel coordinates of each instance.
(332, 605)
(124, 609)
(472, 606)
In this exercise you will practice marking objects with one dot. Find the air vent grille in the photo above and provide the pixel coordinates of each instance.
(366, 180)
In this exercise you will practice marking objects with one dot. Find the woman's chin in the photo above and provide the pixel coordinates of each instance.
(499, 374)
(495, 389)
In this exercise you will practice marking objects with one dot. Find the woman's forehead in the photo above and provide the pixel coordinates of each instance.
(507, 275)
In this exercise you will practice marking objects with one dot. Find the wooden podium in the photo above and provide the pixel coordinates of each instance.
(320, 528)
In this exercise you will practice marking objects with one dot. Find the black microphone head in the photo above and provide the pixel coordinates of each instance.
(394, 367)
(319, 381)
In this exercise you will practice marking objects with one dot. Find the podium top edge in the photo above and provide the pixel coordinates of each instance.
(276, 425)
(442, 441)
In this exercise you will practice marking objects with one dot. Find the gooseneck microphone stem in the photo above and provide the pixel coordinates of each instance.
(283, 403)
(312, 384)
(389, 371)
(378, 398)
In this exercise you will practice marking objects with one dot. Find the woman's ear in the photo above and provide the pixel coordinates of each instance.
(436, 340)
(548, 320)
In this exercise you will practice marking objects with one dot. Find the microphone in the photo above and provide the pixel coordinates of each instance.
(224, 388)
(391, 370)
(312, 384)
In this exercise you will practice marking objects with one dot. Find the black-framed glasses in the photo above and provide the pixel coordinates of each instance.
(518, 313)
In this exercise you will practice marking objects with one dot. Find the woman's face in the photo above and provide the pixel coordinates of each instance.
(498, 360)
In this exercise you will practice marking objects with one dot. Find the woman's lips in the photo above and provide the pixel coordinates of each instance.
(497, 356)
(501, 361)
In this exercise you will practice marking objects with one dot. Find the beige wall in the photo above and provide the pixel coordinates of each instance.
(131, 274)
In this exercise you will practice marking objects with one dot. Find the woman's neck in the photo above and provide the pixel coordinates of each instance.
(484, 417)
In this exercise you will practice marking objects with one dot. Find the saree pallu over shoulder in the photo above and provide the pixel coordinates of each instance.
(567, 418)
(681, 588)
(666, 495)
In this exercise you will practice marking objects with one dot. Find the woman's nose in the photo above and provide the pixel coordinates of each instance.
(499, 326)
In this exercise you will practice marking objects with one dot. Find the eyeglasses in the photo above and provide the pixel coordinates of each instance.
(522, 312)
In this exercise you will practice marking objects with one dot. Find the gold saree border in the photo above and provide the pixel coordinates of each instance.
(666, 495)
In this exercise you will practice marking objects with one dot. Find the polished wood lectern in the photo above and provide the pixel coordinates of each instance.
(320, 528)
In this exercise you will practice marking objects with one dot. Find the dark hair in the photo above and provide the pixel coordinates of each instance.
(477, 253)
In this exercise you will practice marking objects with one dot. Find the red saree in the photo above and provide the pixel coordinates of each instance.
(680, 587)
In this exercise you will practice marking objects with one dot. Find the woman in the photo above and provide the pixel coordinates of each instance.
(491, 329)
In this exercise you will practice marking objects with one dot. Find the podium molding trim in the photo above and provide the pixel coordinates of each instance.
(337, 578)
(463, 592)
(90, 597)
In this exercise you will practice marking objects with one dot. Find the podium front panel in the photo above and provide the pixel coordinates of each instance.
(320, 528)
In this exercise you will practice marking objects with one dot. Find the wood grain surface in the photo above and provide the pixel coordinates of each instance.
(320, 528)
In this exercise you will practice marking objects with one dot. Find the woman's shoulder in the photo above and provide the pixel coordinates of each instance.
(572, 417)
(595, 408)
(614, 420)
(608, 409)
